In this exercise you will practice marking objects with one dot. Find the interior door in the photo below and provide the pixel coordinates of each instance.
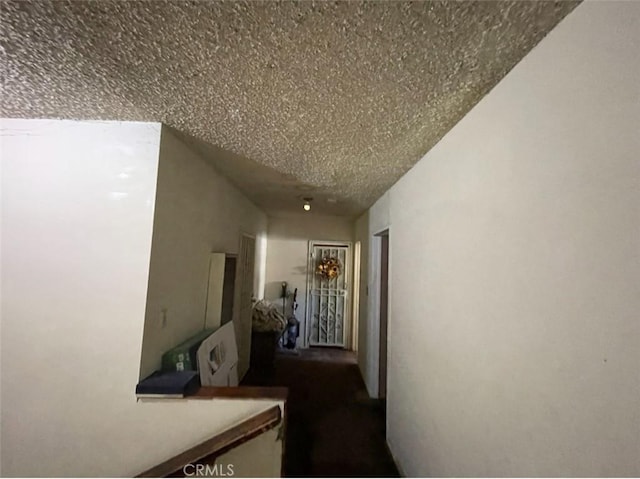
(328, 299)
(246, 265)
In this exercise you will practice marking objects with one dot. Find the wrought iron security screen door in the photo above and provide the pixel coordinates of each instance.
(328, 297)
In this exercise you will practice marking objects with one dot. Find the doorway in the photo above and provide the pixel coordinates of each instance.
(327, 317)
(245, 276)
(228, 288)
(383, 309)
(355, 297)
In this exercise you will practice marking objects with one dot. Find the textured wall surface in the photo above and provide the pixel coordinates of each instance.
(328, 99)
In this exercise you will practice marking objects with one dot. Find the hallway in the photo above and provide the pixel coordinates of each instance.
(333, 428)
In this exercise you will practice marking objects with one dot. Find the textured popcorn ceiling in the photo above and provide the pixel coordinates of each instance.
(328, 99)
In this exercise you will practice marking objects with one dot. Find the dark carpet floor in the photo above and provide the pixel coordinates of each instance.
(333, 428)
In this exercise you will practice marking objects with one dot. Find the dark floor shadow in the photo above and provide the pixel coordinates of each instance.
(334, 429)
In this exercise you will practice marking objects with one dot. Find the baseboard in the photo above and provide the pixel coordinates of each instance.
(394, 458)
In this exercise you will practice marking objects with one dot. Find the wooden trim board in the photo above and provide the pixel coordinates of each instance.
(241, 392)
(220, 443)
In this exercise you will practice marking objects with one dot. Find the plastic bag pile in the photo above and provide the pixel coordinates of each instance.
(267, 317)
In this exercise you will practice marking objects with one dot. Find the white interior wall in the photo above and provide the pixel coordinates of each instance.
(374, 221)
(288, 249)
(514, 339)
(77, 212)
(361, 233)
(197, 212)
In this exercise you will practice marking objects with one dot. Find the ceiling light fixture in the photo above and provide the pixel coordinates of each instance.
(307, 204)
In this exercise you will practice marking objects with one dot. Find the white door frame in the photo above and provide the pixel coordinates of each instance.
(373, 305)
(382, 310)
(348, 283)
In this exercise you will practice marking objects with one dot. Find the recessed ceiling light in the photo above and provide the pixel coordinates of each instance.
(307, 204)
